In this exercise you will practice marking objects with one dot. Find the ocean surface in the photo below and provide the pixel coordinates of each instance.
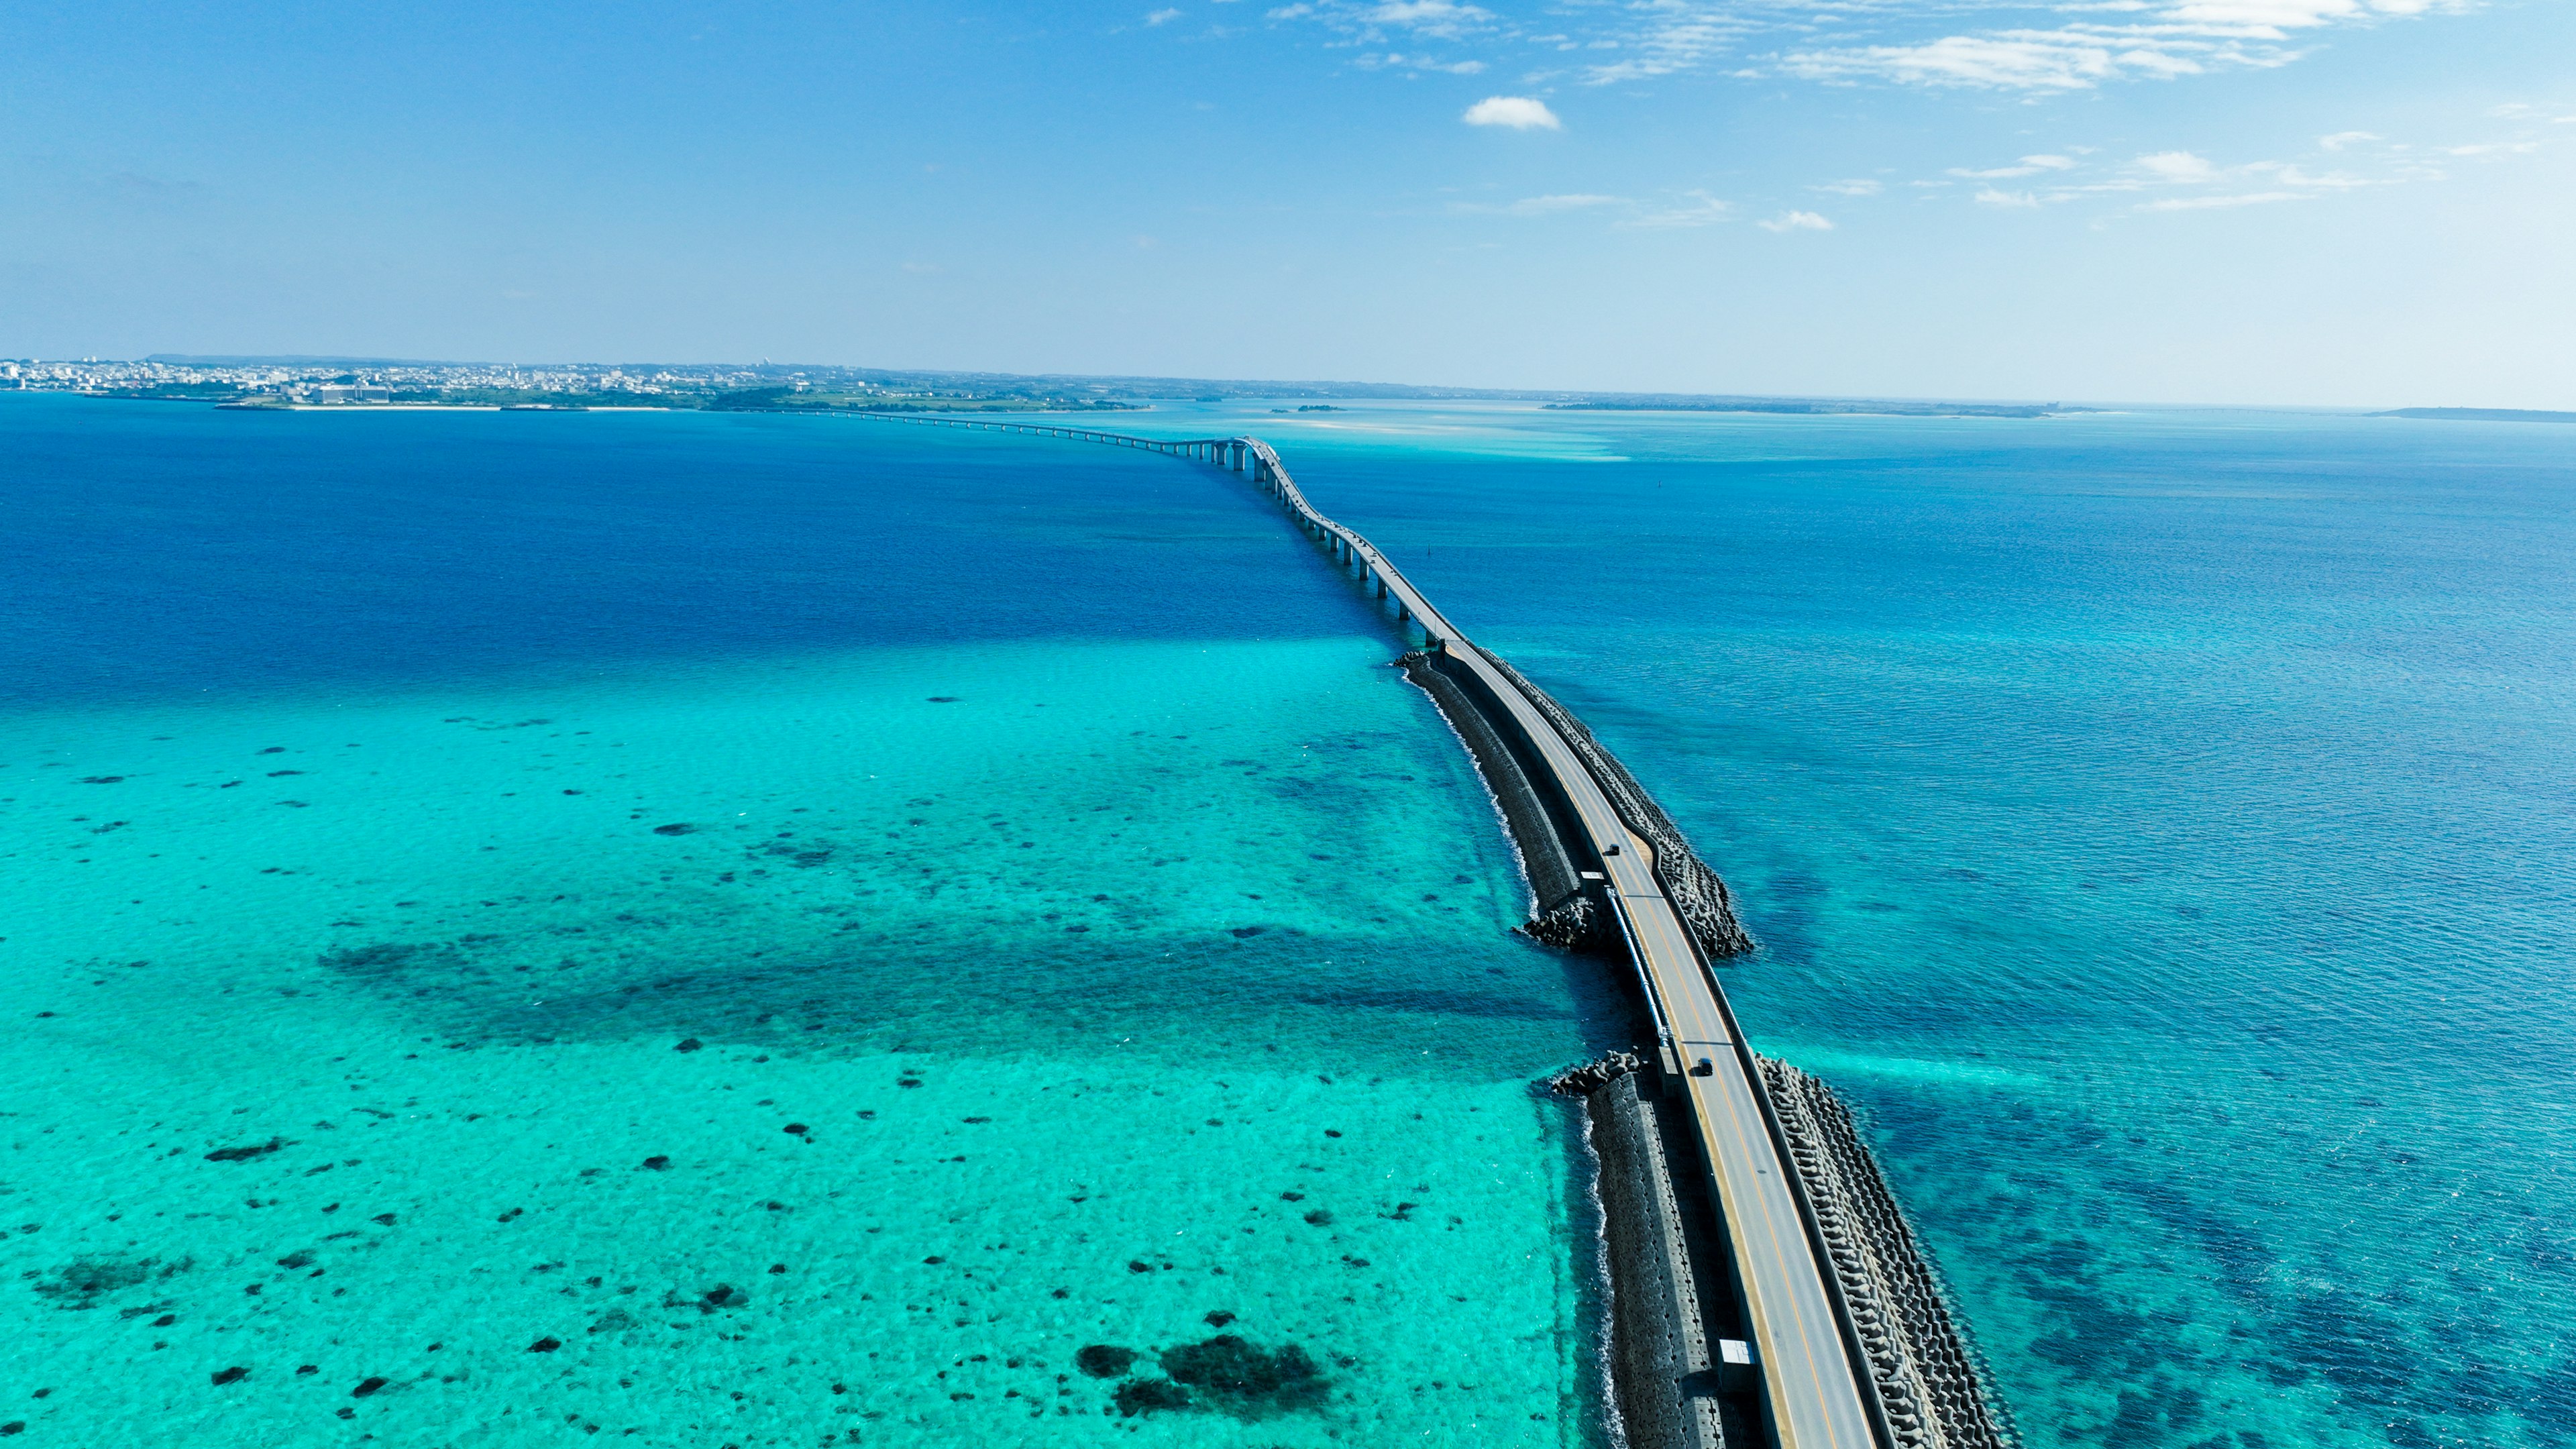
(746, 930)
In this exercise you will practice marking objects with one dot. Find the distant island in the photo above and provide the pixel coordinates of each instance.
(296, 383)
(1839, 407)
(2479, 415)
(304, 382)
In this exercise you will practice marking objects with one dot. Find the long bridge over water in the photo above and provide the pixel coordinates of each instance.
(1843, 1352)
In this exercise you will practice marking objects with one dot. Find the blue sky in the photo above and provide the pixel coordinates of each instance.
(2262, 201)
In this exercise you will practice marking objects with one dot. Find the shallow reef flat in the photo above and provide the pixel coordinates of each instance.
(787, 1049)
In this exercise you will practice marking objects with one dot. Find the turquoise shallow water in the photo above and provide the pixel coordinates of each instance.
(801, 1037)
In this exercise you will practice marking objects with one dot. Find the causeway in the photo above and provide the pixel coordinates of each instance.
(1815, 1388)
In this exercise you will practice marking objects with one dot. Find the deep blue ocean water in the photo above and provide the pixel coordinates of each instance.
(2160, 824)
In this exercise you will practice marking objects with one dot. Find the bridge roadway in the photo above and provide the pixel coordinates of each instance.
(1810, 1378)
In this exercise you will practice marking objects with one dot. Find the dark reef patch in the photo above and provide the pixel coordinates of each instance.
(1144, 1396)
(248, 1151)
(386, 959)
(1104, 1360)
(611, 975)
(1244, 1379)
(81, 1282)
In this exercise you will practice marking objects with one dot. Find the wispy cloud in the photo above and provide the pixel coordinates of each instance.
(1685, 209)
(2029, 46)
(2177, 166)
(1518, 113)
(1393, 61)
(1550, 205)
(1860, 186)
(1443, 18)
(1701, 209)
(2029, 166)
(1788, 221)
(1369, 21)
(1667, 36)
(1162, 17)
(2158, 40)
(2178, 180)
(2208, 203)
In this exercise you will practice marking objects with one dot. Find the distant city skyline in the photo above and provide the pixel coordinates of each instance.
(2340, 202)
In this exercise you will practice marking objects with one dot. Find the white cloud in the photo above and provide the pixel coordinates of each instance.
(1548, 205)
(1675, 35)
(1701, 210)
(2162, 39)
(2205, 203)
(2029, 46)
(2010, 60)
(1162, 17)
(2293, 176)
(1392, 61)
(2030, 166)
(1368, 21)
(2177, 166)
(1520, 113)
(1859, 186)
(1443, 18)
(2291, 14)
(2181, 180)
(1788, 221)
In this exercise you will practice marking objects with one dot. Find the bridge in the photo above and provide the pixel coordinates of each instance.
(1816, 1385)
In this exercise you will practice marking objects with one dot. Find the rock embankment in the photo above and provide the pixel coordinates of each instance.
(1563, 913)
(1927, 1377)
(1668, 1304)
(1696, 892)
